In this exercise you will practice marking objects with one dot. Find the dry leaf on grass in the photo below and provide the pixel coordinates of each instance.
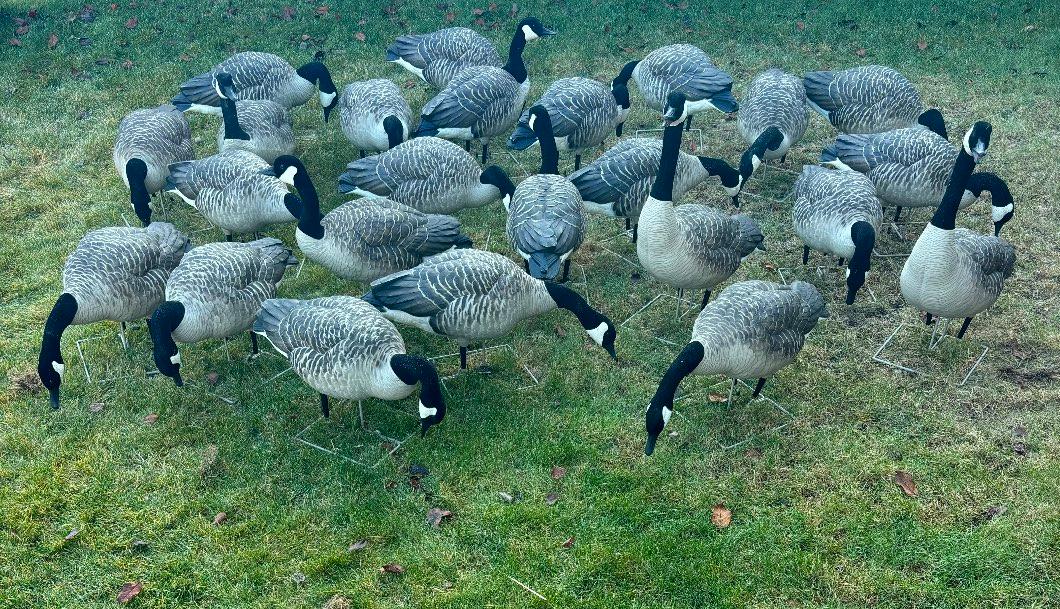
(558, 472)
(358, 545)
(219, 519)
(392, 567)
(129, 592)
(721, 516)
(435, 516)
(337, 602)
(359, 36)
(52, 41)
(717, 398)
(860, 52)
(905, 481)
(506, 497)
(288, 13)
(921, 44)
(132, 23)
(151, 418)
(568, 543)
(552, 498)
(800, 26)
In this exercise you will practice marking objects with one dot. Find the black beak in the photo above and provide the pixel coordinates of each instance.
(425, 424)
(649, 446)
(618, 130)
(53, 398)
(851, 294)
(736, 201)
(611, 351)
(327, 112)
(269, 171)
(997, 228)
(177, 380)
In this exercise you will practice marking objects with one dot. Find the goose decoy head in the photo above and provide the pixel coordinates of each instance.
(165, 319)
(533, 29)
(977, 140)
(1001, 203)
(676, 110)
(933, 120)
(50, 364)
(225, 86)
(495, 176)
(285, 167)
(770, 139)
(317, 73)
(412, 369)
(661, 407)
(602, 333)
(863, 235)
(395, 131)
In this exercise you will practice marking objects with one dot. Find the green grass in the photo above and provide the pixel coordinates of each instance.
(817, 520)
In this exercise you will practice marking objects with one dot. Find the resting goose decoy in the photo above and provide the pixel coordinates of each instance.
(869, 99)
(583, 111)
(114, 273)
(954, 272)
(373, 115)
(546, 218)
(260, 76)
(149, 140)
(215, 292)
(683, 68)
(259, 126)
(229, 190)
(775, 99)
(429, 174)
(481, 102)
(439, 56)
(471, 295)
(342, 347)
(368, 238)
(689, 246)
(837, 212)
(752, 330)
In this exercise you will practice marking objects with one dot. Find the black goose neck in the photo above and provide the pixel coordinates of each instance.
(136, 172)
(864, 237)
(730, 177)
(946, 215)
(395, 131)
(687, 361)
(61, 316)
(515, 65)
(566, 298)
(663, 187)
(230, 116)
(317, 73)
(546, 139)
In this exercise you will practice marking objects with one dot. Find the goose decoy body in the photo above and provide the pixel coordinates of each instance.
(343, 348)
(471, 295)
(215, 292)
(368, 238)
(429, 174)
(684, 68)
(752, 330)
(837, 212)
(374, 115)
(869, 99)
(439, 56)
(260, 76)
(114, 273)
(774, 99)
(148, 140)
(954, 272)
(259, 126)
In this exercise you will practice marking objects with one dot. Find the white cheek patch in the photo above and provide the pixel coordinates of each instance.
(288, 175)
(755, 161)
(426, 413)
(666, 414)
(528, 33)
(530, 123)
(175, 359)
(968, 142)
(327, 98)
(597, 333)
(59, 368)
(997, 213)
(848, 273)
(507, 201)
(217, 88)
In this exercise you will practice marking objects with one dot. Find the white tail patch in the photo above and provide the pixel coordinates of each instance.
(205, 109)
(411, 68)
(426, 412)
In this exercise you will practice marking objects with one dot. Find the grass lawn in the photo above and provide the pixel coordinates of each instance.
(817, 519)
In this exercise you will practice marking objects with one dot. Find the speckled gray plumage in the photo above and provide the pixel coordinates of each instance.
(255, 75)
(441, 55)
(362, 107)
(485, 100)
(269, 126)
(157, 136)
(773, 99)
(546, 216)
(583, 112)
(682, 68)
(827, 202)
(865, 99)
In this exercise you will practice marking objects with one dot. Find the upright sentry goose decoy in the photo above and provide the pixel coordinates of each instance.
(259, 126)
(774, 100)
(114, 273)
(683, 68)
(260, 76)
(215, 292)
(837, 212)
(689, 246)
(429, 174)
(365, 239)
(869, 99)
(229, 190)
(471, 295)
(583, 111)
(374, 115)
(439, 56)
(546, 218)
(481, 102)
(149, 140)
(954, 272)
(342, 347)
(752, 330)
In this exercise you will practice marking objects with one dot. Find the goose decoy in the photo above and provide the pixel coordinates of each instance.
(546, 219)
(689, 246)
(149, 140)
(215, 292)
(260, 76)
(439, 56)
(869, 99)
(774, 100)
(583, 111)
(752, 330)
(683, 68)
(429, 174)
(229, 190)
(481, 102)
(368, 238)
(343, 348)
(373, 115)
(837, 212)
(259, 126)
(114, 273)
(954, 272)
(471, 295)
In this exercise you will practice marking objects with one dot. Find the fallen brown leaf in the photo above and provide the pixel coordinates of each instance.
(921, 44)
(21, 30)
(358, 545)
(905, 481)
(288, 13)
(552, 498)
(1030, 28)
(721, 516)
(337, 602)
(359, 36)
(127, 64)
(512, 12)
(323, 9)
(219, 519)
(95, 407)
(435, 516)
(477, 11)
(769, 266)
(392, 567)
(32, 14)
(15, 42)
(989, 514)
(860, 52)
(212, 378)
(129, 592)
(52, 41)
(151, 418)
(717, 398)
(450, 17)
(800, 26)
(560, 331)
(132, 23)
(184, 57)
(558, 472)
(568, 543)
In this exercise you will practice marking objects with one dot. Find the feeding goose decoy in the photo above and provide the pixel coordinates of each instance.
(683, 68)
(689, 246)
(584, 112)
(869, 99)
(837, 212)
(215, 292)
(481, 102)
(149, 140)
(429, 174)
(774, 100)
(229, 190)
(259, 126)
(260, 76)
(752, 330)
(439, 56)
(471, 295)
(374, 115)
(114, 273)
(342, 347)
(954, 272)
(546, 218)
(368, 238)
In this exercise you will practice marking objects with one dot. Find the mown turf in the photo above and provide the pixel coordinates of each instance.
(817, 519)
